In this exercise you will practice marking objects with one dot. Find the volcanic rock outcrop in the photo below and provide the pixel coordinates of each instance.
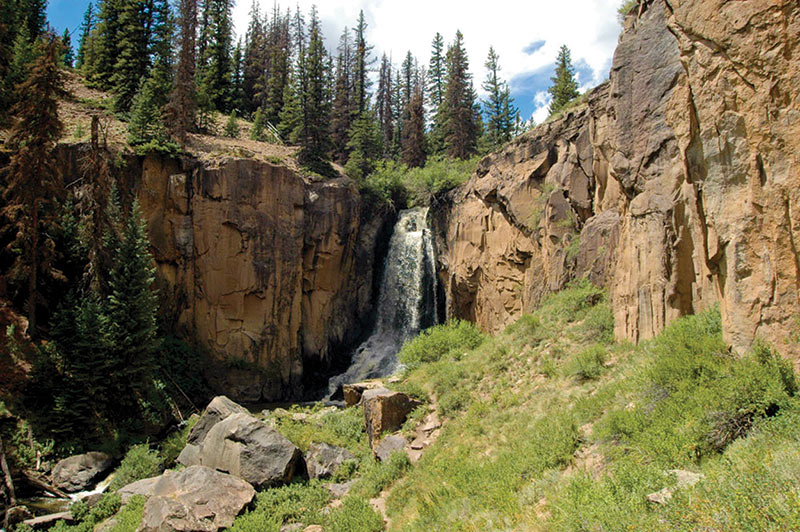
(676, 184)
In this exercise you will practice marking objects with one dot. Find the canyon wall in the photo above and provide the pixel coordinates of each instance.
(267, 272)
(676, 184)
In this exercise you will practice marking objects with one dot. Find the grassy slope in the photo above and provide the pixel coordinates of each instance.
(554, 427)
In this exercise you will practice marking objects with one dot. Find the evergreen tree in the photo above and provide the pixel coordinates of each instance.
(32, 182)
(565, 86)
(105, 38)
(34, 13)
(255, 59)
(276, 76)
(132, 51)
(161, 51)
(384, 104)
(131, 305)
(145, 125)
(314, 136)
(501, 115)
(342, 113)
(182, 104)
(24, 54)
(232, 126)
(414, 129)
(361, 66)
(364, 145)
(237, 83)
(215, 66)
(458, 106)
(69, 54)
(257, 132)
(86, 30)
(437, 74)
(407, 70)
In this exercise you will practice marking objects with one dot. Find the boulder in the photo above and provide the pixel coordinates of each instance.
(78, 472)
(17, 514)
(143, 487)
(389, 445)
(322, 460)
(353, 392)
(385, 411)
(245, 447)
(339, 491)
(218, 409)
(197, 499)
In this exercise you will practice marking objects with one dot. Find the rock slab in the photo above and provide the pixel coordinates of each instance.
(385, 411)
(197, 499)
(322, 460)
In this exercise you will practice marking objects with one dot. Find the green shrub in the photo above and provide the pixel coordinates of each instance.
(343, 428)
(378, 475)
(572, 303)
(433, 344)
(87, 519)
(172, 446)
(129, 517)
(297, 502)
(232, 126)
(139, 462)
(589, 363)
(355, 515)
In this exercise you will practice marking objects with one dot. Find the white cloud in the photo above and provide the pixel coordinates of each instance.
(541, 102)
(588, 27)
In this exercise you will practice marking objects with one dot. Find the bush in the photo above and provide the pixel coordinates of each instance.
(378, 475)
(232, 126)
(439, 341)
(589, 363)
(298, 502)
(139, 462)
(355, 514)
(172, 446)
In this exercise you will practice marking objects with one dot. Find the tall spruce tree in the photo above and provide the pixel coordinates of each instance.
(32, 183)
(384, 104)
(364, 145)
(414, 154)
(86, 30)
(66, 44)
(182, 106)
(437, 76)
(131, 306)
(237, 82)
(565, 86)
(254, 61)
(215, 62)
(499, 110)
(342, 112)
(35, 17)
(276, 76)
(458, 106)
(361, 67)
(104, 44)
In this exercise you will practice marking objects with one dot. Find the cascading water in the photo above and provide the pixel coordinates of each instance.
(406, 301)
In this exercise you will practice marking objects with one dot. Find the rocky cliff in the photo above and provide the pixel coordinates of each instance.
(268, 272)
(676, 184)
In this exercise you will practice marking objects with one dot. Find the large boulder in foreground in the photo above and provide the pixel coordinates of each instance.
(218, 409)
(385, 411)
(322, 460)
(245, 447)
(197, 499)
(79, 472)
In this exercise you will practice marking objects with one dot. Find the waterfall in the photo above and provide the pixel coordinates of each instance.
(406, 300)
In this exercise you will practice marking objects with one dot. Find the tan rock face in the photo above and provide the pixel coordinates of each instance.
(676, 186)
(261, 266)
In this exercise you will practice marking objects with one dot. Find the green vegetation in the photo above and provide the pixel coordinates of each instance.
(565, 86)
(440, 341)
(553, 426)
(140, 462)
(87, 519)
(625, 8)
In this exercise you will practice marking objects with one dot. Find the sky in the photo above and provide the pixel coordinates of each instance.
(526, 34)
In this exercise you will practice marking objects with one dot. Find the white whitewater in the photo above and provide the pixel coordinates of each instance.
(406, 300)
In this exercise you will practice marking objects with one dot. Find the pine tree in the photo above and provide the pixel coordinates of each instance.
(32, 182)
(105, 38)
(314, 136)
(131, 305)
(437, 74)
(458, 106)
(364, 145)
(361, 67)
(132, 51)
(237, 82)
(407, 70)
(254, 62)
(86, 30)
(145, 125)
(66, 44)
(565, 86)
(257, 132)
(215, 65)
(279, 48)
(24, 54)
(501, 115)
(232, 126)
(384, 104)
(342, 112)
(182, 104)
(161, 51)
(35, 17)
(414, 128)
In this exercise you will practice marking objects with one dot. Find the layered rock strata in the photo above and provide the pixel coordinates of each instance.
(676, 184)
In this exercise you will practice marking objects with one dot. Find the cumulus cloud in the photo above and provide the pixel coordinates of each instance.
(526, 35)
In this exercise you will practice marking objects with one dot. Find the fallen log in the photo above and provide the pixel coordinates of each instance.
(44, 486)
(48, 520)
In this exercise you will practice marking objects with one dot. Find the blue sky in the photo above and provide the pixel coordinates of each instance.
(526, 34)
